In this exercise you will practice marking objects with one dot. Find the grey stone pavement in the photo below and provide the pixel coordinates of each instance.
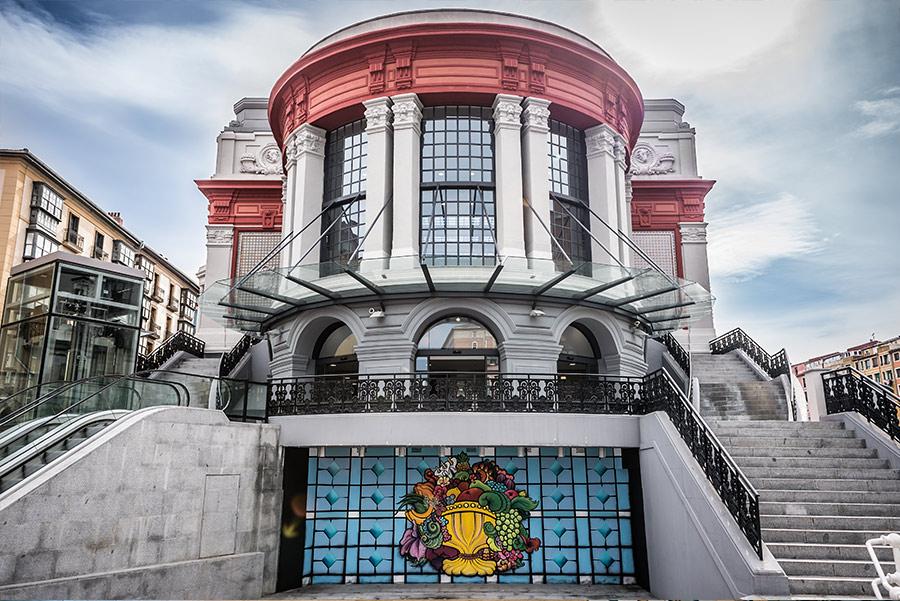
(481, 592)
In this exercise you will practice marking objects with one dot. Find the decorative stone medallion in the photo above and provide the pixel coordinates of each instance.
(646, 161)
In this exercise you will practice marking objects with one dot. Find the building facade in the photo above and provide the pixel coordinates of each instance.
(41, 213)
(875, 359)
(437, 202)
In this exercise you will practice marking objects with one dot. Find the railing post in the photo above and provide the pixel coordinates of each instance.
(815, 394)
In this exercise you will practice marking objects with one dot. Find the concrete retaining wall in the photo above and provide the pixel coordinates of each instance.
(169, 502)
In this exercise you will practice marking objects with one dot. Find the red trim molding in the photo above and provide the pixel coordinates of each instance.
(440, 60)
(663, 204)
(254, 204)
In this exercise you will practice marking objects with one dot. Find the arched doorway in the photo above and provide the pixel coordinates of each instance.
(580, 353)
(335, 352)
(457, 344)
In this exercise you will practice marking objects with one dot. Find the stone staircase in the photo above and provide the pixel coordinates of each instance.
(823, 493)
(729, 388)
(198, 384)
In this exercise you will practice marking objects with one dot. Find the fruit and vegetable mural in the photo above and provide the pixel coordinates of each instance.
(506, 515)
(467, 519)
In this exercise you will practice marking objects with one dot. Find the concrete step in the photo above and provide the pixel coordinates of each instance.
(746, 439)
(831, 522)
(821, 586)
(848, 484)
(816, 473)
(835, 567)
(796, 452)
(829, 496)
(813, 536)
(793, 425)
(832, 462)
(777, 432)
(806, 508)
(826, 551)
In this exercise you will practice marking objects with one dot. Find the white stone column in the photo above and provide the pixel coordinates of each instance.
(220, 243)
(306, 183)
(622, 201)
(536, 181)
(380, 134)
(508, 175)
(695, 265)
(603, 194)
(407, 111)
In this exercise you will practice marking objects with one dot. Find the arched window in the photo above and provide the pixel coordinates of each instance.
(457, 344)
(335, 352)
(345, 196)
(457, 209)
(580, 353)
(568, 186)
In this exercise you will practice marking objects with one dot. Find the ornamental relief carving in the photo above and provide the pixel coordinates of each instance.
(601, 141)
(378, 116)
(306, 140)
(536, 116)
(219, 236)
(266, 162)
(693, 232)
(508, 112)
(406, 112)
(647, 161)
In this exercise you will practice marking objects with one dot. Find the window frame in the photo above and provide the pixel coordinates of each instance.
(564, 194)
(344, 197)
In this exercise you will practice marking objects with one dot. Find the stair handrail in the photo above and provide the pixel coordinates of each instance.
(40, 400)
(179, 341)
(890, 581)
(6, 400)
(681, 356)
(733, 487)
(231, 358)
(737, 339)
(846, 389)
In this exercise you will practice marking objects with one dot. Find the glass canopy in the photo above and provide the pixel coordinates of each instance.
(253, 303)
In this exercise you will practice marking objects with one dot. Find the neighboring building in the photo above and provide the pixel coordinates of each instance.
(41, 213)
(875, 359)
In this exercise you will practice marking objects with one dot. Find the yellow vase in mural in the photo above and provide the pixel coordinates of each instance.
(465, 523)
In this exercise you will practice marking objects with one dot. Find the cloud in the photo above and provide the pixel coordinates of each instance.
(746, 240)
(883, 114)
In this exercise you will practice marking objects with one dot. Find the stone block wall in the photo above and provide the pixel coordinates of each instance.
(169, 502)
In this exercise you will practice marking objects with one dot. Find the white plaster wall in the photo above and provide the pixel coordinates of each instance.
(666, 146)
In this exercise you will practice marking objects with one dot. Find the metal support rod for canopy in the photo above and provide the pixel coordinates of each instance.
(598, 289)
(669, 307)
(253, 308)
(545, 287)
(593, 237)
(270, 295)
(618, 233)
(494, 275)
(369, 229)
(552, 237)
(314, 287)
(365, 281)
(315, 245)
(642, 296)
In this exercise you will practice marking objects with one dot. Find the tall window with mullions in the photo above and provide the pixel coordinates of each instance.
(457, 216)
(568, 186)
(344, 221)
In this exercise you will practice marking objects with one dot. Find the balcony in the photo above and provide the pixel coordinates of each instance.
(172, 305)
(154, 331)
(99, 253)
(157, 294)
(74, 240)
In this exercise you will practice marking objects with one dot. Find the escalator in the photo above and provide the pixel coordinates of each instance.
(38, 427)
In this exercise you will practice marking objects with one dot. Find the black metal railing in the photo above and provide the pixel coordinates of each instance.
(848, 390)
(179, 341)
(231, 358)
(550, 393)
(737, 339)
(678, 352)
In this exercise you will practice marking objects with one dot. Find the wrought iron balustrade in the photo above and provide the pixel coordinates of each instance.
(737, 339)
(678, 352)
(848, 390)
(180, 341)
(231, 358)
(549, 393)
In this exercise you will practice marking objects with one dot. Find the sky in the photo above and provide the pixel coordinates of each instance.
(796, 106)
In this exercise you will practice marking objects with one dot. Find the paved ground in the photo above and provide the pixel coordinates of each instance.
(481, 592)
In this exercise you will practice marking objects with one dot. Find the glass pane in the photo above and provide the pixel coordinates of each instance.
(126, 292)
(457, 333)
(78, 349)
(20, 355)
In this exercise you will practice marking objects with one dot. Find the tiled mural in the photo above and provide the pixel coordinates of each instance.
(581, 526)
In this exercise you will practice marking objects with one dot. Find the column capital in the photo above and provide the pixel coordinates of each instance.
(219, 234)
(407, 111)
(378, 114)
(602, 139)
(693, 232)
(507, 111)
(305, 139)
(536, 114)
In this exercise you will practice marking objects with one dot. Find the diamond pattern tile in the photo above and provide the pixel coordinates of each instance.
(376, 496)
(332, 497)
(329, 530)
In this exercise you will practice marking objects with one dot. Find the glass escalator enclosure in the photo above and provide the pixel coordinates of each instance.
(335, 352)
(580, 353)
(457, 344)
